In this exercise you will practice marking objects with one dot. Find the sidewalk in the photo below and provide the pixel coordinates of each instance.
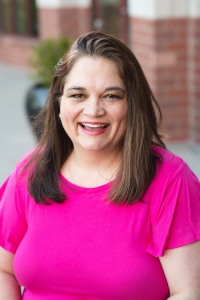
(15, 133)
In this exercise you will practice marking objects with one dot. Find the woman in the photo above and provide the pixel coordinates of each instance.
(100, 209)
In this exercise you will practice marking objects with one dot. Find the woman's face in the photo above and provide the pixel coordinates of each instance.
(93, 107)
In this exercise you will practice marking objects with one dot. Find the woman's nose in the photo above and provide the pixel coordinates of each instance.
(93, 108)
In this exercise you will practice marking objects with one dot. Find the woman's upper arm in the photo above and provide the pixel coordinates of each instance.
(9, 286)
(13, 223)
(6, 261)
(182, 270)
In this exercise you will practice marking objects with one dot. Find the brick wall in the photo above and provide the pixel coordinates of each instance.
(70, 22)
(161, 48)
(16, 50)
(194, 79)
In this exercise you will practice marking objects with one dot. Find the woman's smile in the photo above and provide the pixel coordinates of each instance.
(93, 128)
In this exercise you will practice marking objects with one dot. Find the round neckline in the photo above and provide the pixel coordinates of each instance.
(82, 188)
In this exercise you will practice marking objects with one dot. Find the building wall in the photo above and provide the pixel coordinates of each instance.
(69, 18)
(194, 79)
(165, 37)
(55, 18)
(15, 50)
(70, 22)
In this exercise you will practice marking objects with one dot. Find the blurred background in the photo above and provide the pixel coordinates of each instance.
(164, 36)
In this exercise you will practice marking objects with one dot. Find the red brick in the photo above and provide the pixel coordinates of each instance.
(70, 22)
(16, 50)
(163, 56)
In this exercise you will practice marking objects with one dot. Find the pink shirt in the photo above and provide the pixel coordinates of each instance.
(89, 249)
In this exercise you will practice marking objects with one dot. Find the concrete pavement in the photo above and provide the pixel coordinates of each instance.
(15, 133)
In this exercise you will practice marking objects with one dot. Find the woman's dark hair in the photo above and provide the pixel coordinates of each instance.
(138, 159)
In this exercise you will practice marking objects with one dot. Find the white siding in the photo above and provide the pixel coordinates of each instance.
(163, 9)
(63, 3)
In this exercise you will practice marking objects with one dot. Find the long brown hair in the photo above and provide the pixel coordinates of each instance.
(138, 160)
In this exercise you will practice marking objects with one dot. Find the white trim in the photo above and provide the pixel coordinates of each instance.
(148, 9)
(63, 3)
(194, 8)
(162, 9)
(142, 8)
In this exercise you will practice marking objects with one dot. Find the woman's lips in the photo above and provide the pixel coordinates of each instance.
(93, 128)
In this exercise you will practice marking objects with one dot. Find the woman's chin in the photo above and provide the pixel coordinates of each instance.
(94, 147)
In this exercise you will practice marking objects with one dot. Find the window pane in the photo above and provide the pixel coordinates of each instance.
(111, 16)
(34, 23)
(18, 16)
(4, 15)
(111, 2)
(20, 10)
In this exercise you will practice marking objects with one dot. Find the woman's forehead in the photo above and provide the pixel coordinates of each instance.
(88, 70)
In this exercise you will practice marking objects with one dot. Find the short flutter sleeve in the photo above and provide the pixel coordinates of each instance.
(175, 210)
(13, 223)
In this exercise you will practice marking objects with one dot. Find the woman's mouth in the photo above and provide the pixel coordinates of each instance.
(93, 128)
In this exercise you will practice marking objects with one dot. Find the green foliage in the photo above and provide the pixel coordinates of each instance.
(45, 56)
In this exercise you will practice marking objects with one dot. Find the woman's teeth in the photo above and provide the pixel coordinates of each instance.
(93, 126)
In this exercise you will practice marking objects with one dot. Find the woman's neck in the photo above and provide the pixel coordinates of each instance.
(90, 168)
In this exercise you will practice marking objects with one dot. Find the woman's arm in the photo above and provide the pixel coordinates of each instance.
(9, 287)
(182, 270)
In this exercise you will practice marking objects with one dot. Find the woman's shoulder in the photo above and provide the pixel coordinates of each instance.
(168, 158)
(174, 198)
(25, 158)
(168, 161)
(171, 167)
(18, 173)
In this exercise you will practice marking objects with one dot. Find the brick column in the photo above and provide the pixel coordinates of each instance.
(194, 72)
(158, 37)
(68, 18)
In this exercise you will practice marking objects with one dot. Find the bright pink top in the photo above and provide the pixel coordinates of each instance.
(89, 249)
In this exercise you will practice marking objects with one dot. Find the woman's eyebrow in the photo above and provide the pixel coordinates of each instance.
(74, 87)
(114, 88)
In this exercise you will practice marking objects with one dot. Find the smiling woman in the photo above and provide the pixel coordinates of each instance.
(96, 118)
(100, 209)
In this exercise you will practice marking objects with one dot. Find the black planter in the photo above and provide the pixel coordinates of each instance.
(34, 102)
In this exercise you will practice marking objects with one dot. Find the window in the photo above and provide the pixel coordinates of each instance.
(111, 16)
(18, 17)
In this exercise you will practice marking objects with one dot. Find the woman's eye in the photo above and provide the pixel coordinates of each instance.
(77, 96)
(111, 96)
